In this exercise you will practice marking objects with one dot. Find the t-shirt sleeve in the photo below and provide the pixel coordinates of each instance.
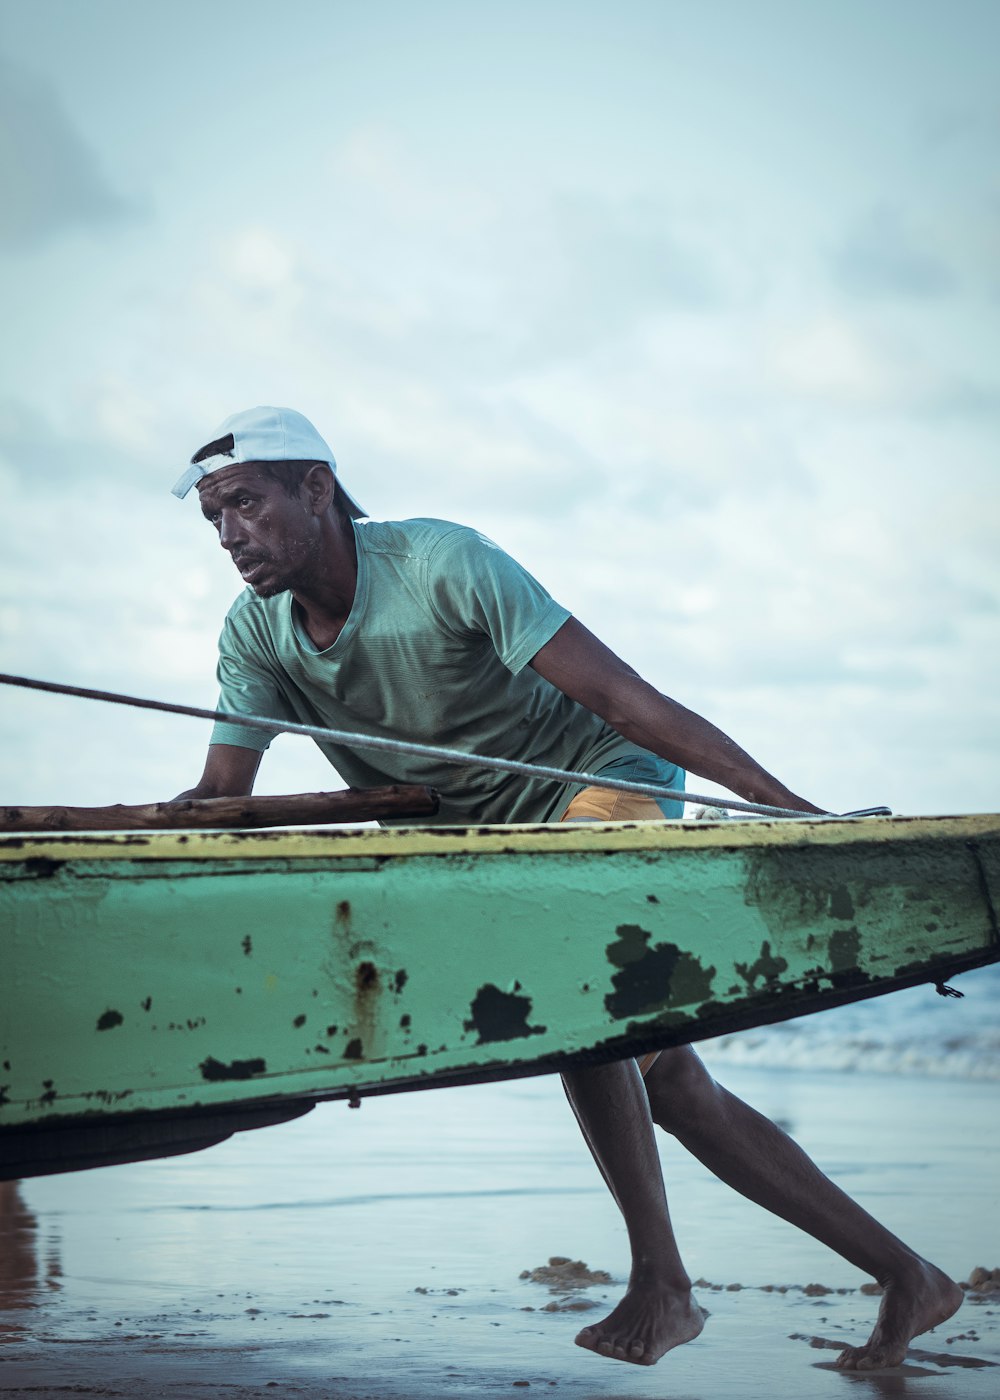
(246, 687)
(476, 588)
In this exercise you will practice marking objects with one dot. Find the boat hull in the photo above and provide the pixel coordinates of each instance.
(171, 978)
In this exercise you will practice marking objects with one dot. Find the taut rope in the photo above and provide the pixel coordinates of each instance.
(443, 755)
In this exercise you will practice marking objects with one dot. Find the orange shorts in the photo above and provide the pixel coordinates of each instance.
(602, 805)
(596, 804)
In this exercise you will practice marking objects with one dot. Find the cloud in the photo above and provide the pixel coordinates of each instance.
(830, 358)
(881, 257)
(947, 125)
(638, 247)
(259, 262)
(115, 439)
(51, 180)
(103, 580)
(511, 276)
(603, 267)
(861, 364)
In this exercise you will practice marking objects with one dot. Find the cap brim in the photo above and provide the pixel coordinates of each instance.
(353, 509)
(184, 483)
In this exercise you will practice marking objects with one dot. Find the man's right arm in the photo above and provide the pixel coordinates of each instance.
(582, 667)
(229, 772)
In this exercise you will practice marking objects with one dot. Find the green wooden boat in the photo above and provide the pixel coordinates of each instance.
(162, 990)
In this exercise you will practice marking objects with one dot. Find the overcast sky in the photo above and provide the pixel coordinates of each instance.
(692, 308)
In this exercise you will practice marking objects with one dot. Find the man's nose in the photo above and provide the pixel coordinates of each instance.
(231, 530)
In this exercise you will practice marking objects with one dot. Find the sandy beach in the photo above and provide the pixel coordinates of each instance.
(379, 1253)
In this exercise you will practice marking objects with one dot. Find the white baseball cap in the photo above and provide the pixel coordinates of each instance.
(262, 435)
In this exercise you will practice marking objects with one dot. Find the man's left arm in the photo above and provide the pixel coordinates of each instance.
(581, 666)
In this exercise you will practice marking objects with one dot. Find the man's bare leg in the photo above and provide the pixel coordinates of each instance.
(658, 1311)
(756, 1158)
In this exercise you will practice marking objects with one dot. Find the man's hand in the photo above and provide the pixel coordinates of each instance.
(581, 666)
(229, 772)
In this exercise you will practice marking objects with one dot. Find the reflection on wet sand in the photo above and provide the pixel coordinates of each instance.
(22, 1270)
(382, 1254)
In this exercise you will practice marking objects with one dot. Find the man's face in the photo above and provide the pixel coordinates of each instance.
(272, 538)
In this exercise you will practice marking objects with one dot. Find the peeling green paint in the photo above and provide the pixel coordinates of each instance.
(429, 956)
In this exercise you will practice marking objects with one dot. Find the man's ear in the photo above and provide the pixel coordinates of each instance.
(320, 487)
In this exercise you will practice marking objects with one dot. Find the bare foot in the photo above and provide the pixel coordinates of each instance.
(911, 1304)
(648, 1322)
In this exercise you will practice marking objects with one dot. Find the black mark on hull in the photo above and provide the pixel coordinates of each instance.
(215, 1070)
(109, 1020)
(650, 977)
(844, 950)
(41, 867)
(768, 967)
(841, 904)
(498, 1015)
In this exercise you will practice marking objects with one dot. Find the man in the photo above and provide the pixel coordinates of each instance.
(424, 630)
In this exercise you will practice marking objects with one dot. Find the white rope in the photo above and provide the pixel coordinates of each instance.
(433, 751)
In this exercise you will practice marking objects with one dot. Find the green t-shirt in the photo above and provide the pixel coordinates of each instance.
(436, 650)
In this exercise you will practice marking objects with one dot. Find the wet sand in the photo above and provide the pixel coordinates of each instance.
(379, 1253)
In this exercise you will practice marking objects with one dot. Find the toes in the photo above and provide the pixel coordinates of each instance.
(865, 1359)
(609, 1348)
(604, 1346)
(880, 1360)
